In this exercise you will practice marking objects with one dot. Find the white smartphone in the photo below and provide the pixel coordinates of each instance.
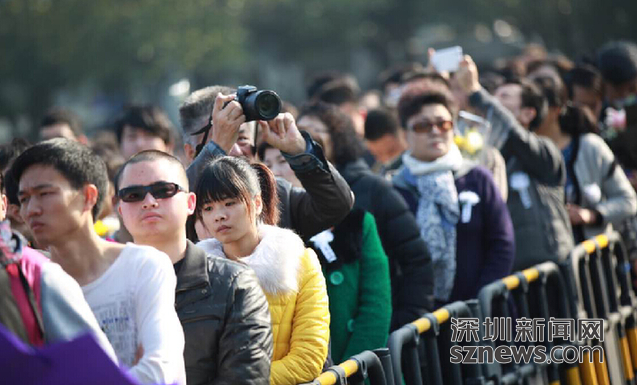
(447, 59)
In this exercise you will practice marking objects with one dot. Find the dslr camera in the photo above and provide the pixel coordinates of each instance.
(258, 104)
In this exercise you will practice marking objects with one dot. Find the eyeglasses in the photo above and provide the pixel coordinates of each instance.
(159, 190)
(425, 127)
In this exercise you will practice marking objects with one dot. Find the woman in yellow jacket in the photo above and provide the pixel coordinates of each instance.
(237, 205)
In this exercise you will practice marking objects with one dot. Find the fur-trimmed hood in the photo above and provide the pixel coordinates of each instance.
(276, 260)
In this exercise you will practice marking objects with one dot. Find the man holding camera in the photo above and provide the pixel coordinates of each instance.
(326, 199)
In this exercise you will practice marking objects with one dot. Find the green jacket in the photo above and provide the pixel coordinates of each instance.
(358, 287)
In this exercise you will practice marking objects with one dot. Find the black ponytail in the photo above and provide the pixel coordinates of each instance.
(575, 120)
(269, 195)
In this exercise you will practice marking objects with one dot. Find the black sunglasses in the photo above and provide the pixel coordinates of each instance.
(159, 190)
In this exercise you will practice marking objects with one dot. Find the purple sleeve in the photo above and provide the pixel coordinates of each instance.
(499, 242)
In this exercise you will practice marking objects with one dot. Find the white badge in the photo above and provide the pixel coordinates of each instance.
(322, 241)
(520, 182)
(467, 200)
(593, 194)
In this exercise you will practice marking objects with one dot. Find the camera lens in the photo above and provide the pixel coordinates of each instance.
(268, 105)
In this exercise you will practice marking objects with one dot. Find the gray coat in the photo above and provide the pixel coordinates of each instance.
(595, 168)
(536, 176)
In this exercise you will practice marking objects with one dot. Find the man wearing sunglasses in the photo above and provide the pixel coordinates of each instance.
(220, 304)
(129, 288)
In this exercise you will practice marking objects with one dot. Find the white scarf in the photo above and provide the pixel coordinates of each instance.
(438, 213)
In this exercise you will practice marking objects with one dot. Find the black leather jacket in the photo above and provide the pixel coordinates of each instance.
(226, 321)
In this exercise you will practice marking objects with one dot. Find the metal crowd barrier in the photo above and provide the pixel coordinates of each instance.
(597, 265)
(508, 298)
(420, 351)
(595, 282)
(621, 299)
(374, 366)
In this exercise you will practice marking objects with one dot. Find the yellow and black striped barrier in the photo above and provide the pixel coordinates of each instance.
(374, 366)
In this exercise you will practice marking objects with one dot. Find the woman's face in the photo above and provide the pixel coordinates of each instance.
(229, 220)
(280, 167)
(319, 131)
(430, 132)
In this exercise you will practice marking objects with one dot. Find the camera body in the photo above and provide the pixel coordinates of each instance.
(258, 104)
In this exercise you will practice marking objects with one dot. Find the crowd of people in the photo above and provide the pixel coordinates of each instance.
(265, 251)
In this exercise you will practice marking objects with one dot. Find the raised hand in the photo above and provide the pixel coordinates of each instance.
(226, 121)
(282, 133)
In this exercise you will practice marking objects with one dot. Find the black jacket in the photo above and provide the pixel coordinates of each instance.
(409, 261)
(323, 202)
(226, 321)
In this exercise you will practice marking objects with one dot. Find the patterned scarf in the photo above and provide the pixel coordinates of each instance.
(438, 213)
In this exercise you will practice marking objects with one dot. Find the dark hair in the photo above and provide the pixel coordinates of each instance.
(112, 159)
(261, 150)
(380, 122)
(585, 76)
(148, 118)
(76, 162)
(347, 146)
(554, 90)
(396, 73)
(576, 120)
(617, 61)
(423, 74)
(491, 80)
(560, 63)
(573, 120)
(532, 97)
(8, 154)
(149, 156)
(232, 177)
(418, 95)
(334, 88)
(62, 116)
(511, 68)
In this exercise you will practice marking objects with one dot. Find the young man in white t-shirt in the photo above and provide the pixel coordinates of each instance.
(130, 288)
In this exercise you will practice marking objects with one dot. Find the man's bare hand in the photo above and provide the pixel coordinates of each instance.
(282, 133)
(467, 76)
(580, 216)
(226, 121)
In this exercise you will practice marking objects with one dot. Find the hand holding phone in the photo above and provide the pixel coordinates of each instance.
(447, 59)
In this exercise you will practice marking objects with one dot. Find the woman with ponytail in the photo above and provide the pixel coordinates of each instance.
(598, 193)
(237, 205)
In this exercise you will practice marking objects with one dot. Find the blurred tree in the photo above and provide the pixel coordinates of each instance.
(125, 48)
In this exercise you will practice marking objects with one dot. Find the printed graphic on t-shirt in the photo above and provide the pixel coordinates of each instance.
(116, 318)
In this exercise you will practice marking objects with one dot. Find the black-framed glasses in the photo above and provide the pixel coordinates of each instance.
(159, 190)
(425, 127)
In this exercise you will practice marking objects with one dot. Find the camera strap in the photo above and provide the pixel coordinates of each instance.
(206, 131)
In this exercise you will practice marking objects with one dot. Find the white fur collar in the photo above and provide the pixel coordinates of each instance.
(276, 260)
